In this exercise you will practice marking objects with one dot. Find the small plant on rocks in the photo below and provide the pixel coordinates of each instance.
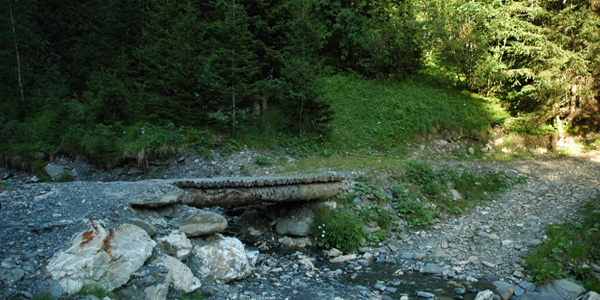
(571, 251)
(337, 228)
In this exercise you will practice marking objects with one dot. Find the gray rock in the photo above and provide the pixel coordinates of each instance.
(203, 223)
(504, 289)
(176, 244)
(11, 275)
(519, 291)
(54, 171)
(425, 295)
(224, 259)
(527, 286)
(157, 292)
(590, 296)
(540, 296)
(380, 287)
(181, 276)
(288, 226)
(431, 268)
(50, 287)
(4, 173)
(150, 230)
(564, 288)
(101, 258)
(455, 194)
(485, 295)
(252, 223)
(170, 198)
(419, 256)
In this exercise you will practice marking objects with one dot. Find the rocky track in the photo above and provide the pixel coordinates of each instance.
(487, 242)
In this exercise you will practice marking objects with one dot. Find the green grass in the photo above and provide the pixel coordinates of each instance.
(570, 250)
(374, 115)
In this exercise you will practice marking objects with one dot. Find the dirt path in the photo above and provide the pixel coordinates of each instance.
(490, 240)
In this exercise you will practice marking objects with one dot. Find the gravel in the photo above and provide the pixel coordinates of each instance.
(484, 244)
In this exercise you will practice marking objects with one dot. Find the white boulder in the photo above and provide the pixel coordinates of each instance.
(101, 258)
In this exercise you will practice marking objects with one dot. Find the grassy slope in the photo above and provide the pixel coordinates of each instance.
(372, 114)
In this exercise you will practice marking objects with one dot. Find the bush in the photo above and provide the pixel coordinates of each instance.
(337, 228)
(104, 146)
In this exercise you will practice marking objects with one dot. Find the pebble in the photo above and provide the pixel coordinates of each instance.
(427, 295)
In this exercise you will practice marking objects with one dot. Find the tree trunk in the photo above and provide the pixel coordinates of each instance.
(12, 20)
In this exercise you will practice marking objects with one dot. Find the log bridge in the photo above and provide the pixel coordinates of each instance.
(249, 191)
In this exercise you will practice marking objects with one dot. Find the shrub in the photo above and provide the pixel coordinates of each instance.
(337, 228)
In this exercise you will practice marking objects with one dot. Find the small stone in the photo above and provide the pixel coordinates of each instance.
(460, 291)
(488, 264)
(396, 282)
(380, 287)
(425, 295)
(503, 289)
(518, 274)
(334, 253)
(419, 256)
(485, 295)
(344, 258)
(391, 290)
(432, 269)
(527, 286)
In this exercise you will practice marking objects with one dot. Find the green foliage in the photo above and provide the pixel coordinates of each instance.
(43, 296)
(434, 186)
(411, 209)
(392, 113)
(65, 176)
(337, 228)
(382, 216)
(569, 250)
(263, 161)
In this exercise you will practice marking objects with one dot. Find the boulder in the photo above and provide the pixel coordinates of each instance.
(203, 223)
(176, 244)
(101, 258)
(223, 259)
(564, 288)
(54, 171)
(504, 289)
(181, 276)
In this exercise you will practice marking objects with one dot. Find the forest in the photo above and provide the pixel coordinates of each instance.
(115, 80)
